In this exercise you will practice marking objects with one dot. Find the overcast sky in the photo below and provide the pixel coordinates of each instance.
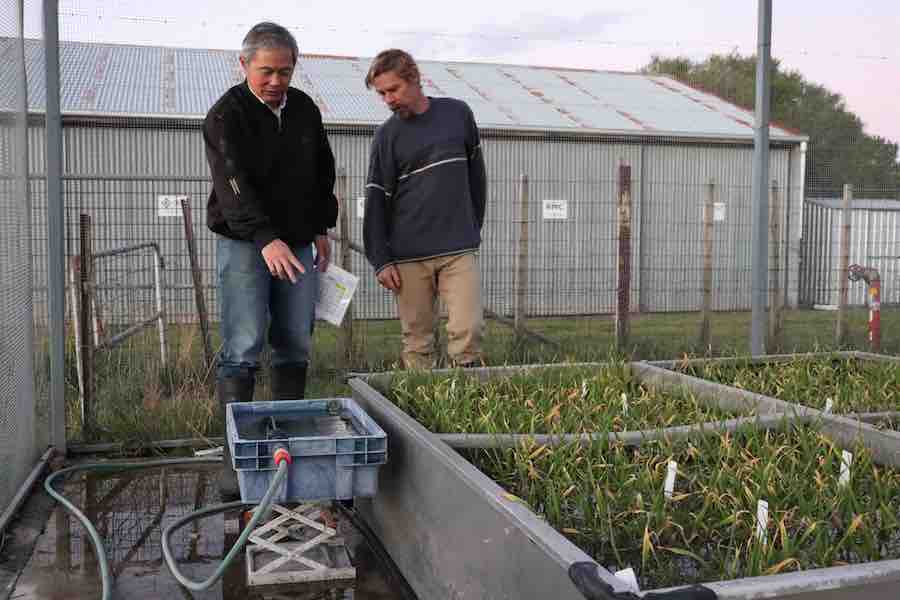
(850, 47)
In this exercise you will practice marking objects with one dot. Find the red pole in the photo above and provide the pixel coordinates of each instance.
(875, 315)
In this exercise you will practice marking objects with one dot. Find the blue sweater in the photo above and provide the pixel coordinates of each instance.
(426, 188)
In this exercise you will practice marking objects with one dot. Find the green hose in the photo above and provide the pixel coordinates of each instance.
(262, 509)
(128, 466)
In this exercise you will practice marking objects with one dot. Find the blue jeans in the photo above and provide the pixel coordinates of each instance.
(250, 298)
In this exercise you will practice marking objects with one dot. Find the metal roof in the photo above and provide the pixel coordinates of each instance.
(112, 79)
(889, 204)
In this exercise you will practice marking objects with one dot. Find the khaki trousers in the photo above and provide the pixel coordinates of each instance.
(456, 280)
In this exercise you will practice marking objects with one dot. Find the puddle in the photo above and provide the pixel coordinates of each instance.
(130, 510)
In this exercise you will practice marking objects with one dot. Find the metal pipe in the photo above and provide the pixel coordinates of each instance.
(113, 447)
(56, 255)
(85, 279)
(629, 438)
(760, 191)
(873, 284)
(126, 249)
(24, 490)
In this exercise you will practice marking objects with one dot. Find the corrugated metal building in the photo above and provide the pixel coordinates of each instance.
(131, 134)
(874, 243)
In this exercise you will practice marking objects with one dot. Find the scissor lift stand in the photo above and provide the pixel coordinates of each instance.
(297, 546)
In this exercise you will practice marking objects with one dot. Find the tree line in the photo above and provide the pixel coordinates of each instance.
(839, 150)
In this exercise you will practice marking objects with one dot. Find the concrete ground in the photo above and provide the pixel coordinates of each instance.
(46, 555)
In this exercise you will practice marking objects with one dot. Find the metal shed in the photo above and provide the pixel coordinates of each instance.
(131, 134)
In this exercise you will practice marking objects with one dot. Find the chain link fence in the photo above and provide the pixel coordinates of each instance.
(556, 283)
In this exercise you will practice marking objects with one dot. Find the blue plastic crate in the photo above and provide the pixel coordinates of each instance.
(335, 446)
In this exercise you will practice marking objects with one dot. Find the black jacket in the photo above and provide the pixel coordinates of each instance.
(268, 182)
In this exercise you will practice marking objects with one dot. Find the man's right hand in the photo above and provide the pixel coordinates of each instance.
(281, 261)
(389, 277)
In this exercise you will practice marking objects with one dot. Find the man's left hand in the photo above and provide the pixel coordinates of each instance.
(323, 253)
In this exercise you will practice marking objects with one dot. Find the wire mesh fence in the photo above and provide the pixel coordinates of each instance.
(22, 376)
(554, 141)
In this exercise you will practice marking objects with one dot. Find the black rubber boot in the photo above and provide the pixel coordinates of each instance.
(228, 390)
(289, 381)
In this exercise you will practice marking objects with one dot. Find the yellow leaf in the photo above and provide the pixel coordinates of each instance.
(570, 531)
(511, 497)
(646, 546)
(568, 491)
(781, 566)
(857, 521)
(553, 414)
(537, 452)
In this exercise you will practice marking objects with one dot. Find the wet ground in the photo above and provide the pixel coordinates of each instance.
(130, 511)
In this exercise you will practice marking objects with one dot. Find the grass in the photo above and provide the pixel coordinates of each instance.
(854, 386)
(137, 400)
(553, 400)
(609, 500)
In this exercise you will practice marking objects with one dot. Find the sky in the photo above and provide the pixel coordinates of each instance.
(849, 47)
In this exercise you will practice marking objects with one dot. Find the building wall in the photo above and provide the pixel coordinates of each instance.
(116, 173)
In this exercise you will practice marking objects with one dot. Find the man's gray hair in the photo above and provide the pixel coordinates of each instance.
(268, 35)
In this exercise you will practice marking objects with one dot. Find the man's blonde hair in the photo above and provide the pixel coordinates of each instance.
(397, 61)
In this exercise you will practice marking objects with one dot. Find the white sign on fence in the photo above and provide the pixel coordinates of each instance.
(556, 210)
(168, 205)
(718, 212)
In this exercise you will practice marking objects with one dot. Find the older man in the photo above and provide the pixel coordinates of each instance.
(272, 200)
(425, 203)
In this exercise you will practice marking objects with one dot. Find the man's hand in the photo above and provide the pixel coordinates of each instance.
(389, 277)
(281, 261)
(323, 253)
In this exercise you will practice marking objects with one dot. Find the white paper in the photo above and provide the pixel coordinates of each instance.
(169, 205)
(762, 520)
(336, 289)
(669, 485)
(846, 461)
(556, 210)
(629, 578)
(829, 404)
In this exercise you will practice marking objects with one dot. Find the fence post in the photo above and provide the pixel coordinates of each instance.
(345, 336)
(623, 285)
(843, 273)
(87, 338)
(74, 273)
(774, 340)
(199, 298)
(705, 329)
(521, 297)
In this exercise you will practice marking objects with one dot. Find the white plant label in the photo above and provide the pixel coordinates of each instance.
(360, 207)
(762, 520)
(624, 404)
(669, 485)
(846, 461)
(556, 210)
(168, 205)
(629, 578)
(829, 404)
